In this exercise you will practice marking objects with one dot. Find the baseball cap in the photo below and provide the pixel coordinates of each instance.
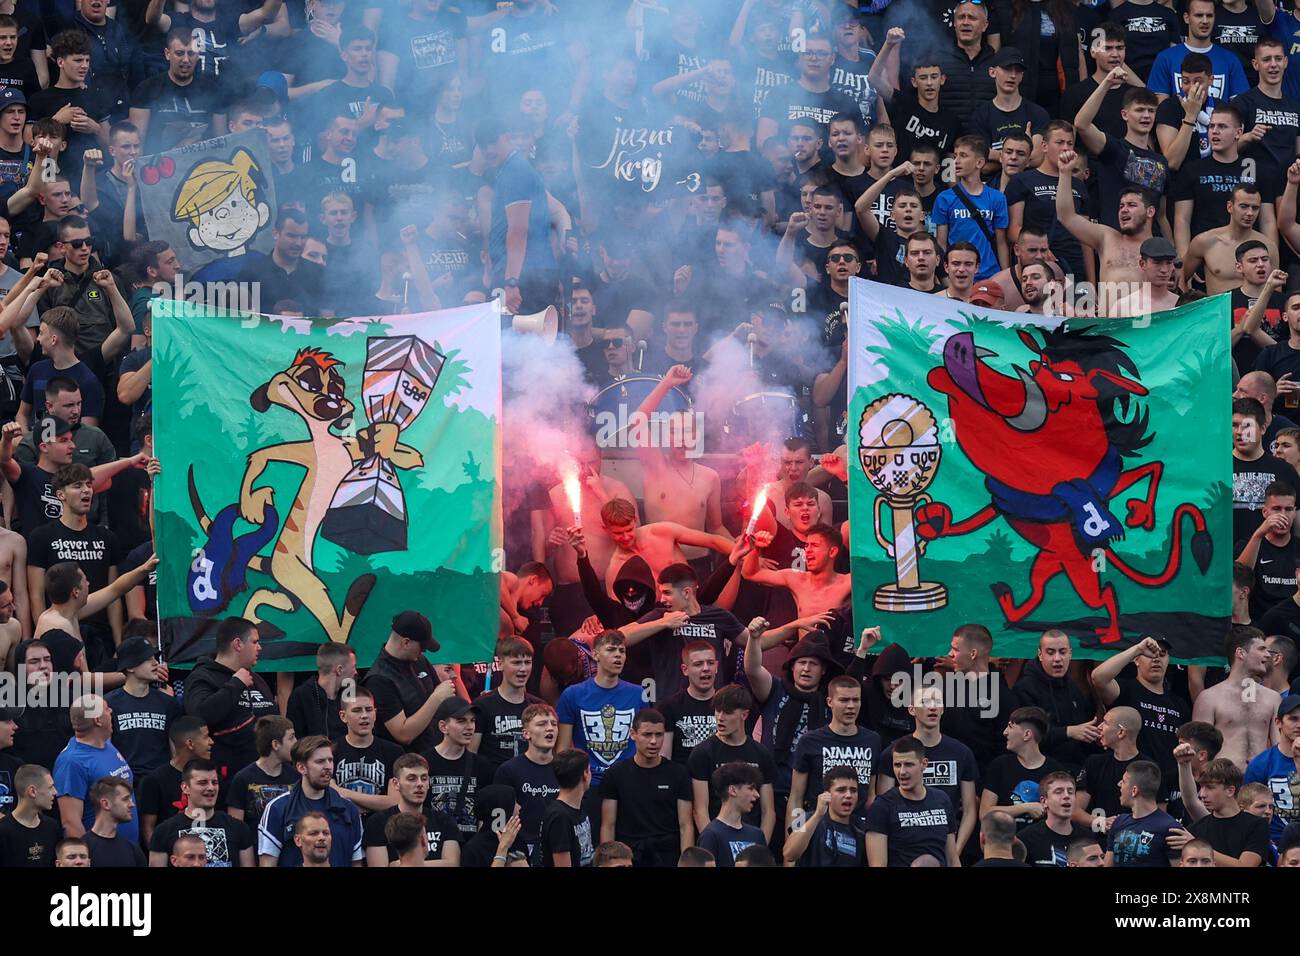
(50, 425)
(1163, 642)
(1009, 56)
(134, 652)
(10, 713)
(11, 96)
(1289, 703)
(453, 707)
(1158, 247)
(986, 293)
(414, 626)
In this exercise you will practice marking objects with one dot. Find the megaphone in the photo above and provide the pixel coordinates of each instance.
(545, 324)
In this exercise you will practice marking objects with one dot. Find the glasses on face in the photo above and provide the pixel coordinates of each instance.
(76, 243)
(817, 54)
(615, 343)
(842, 257)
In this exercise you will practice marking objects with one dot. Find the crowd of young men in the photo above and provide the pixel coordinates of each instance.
(685, 182)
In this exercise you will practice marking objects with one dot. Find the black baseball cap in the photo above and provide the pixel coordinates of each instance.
(134, 652)
(50, 425)
(414, 626)
(10, 713)
(453, 707)
(1009, 56)
(1289, 703)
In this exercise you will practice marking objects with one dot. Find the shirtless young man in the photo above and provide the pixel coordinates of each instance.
(659, 544)
(551, 539)
(11, 631)
(71, 599)
(1241, 707)
(1031, 247)
(1118, 249)
(1156, 262)
(678, 490)
(817, 589)
(1217, 248)
(796, 462)
(13, 568)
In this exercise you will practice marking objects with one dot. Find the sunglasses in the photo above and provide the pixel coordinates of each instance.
(615, 343)
(842, 257)
(76, 243)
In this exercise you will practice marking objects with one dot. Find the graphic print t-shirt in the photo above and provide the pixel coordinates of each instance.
(602, 721)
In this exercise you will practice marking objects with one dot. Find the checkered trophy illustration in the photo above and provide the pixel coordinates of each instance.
(898, 448)
(368, 512)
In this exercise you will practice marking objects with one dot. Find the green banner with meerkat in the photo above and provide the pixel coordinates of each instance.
(321, 475)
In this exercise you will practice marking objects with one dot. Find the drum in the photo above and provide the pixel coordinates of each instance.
(616, 403)
(772, 415)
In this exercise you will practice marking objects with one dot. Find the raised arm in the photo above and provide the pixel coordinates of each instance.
(1286, 223)
(1083, 229)
(883, 75)
(760, 679)
(1093, 139)
(1175, 146)
(862, 208)
(1104, 674)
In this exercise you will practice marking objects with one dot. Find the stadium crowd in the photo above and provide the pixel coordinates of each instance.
(691, 186)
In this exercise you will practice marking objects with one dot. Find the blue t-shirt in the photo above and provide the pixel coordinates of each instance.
(275, 829)
(602, 721)
(950, 211)
(78, 767)
(1141, 842)
(726, 843)
(517, 181)
(1287, 29)
(92, 392)
(1277, 771)
(1229, 78)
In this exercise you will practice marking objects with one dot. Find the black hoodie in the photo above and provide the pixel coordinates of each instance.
(217, 697)
(1066, 704)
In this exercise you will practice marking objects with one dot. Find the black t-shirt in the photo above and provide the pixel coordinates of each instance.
(566, 830)
(647, 800)
(1249, 479)
(439, 830)
(21, 73)
(914, 827)
(1045, 847)
(1283, 619)
(1232, 836)
(745, 175)
(713, 753)
(889, 258)
(97, 105)
(160, 794)
(1249, 355)
(1237, 33)
(535, 786)
(140, 728)
(115, 851)
(717, 627)
(1108, 118)
(792, 102)
(820, 750)
(1141, 842)
(35, 503)
(221, 55)
(835, 844)
(1100, 778)
(26, 848)
(914, 124)
(1281, 116)
(1208, 185)
(177, 114)
(253, 788)
(365, 769)
(690, 721)
(1121, 164)
(94, 549)
(1162, 715)
(224, 836)
(1274, 575)
(1171, 113)
(502, 726)
(1038, 192)
(950, 764)
(993, 123)
(1014, 783)
(1149, 28)
(453, 785)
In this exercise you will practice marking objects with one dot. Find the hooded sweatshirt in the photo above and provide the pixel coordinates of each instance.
(1066, 704)
(217, 697)
(889, 720)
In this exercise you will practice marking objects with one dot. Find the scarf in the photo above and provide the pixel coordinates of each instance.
(799, 705)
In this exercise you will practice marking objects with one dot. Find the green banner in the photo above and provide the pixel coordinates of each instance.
(322, 475)
(1025, 473)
